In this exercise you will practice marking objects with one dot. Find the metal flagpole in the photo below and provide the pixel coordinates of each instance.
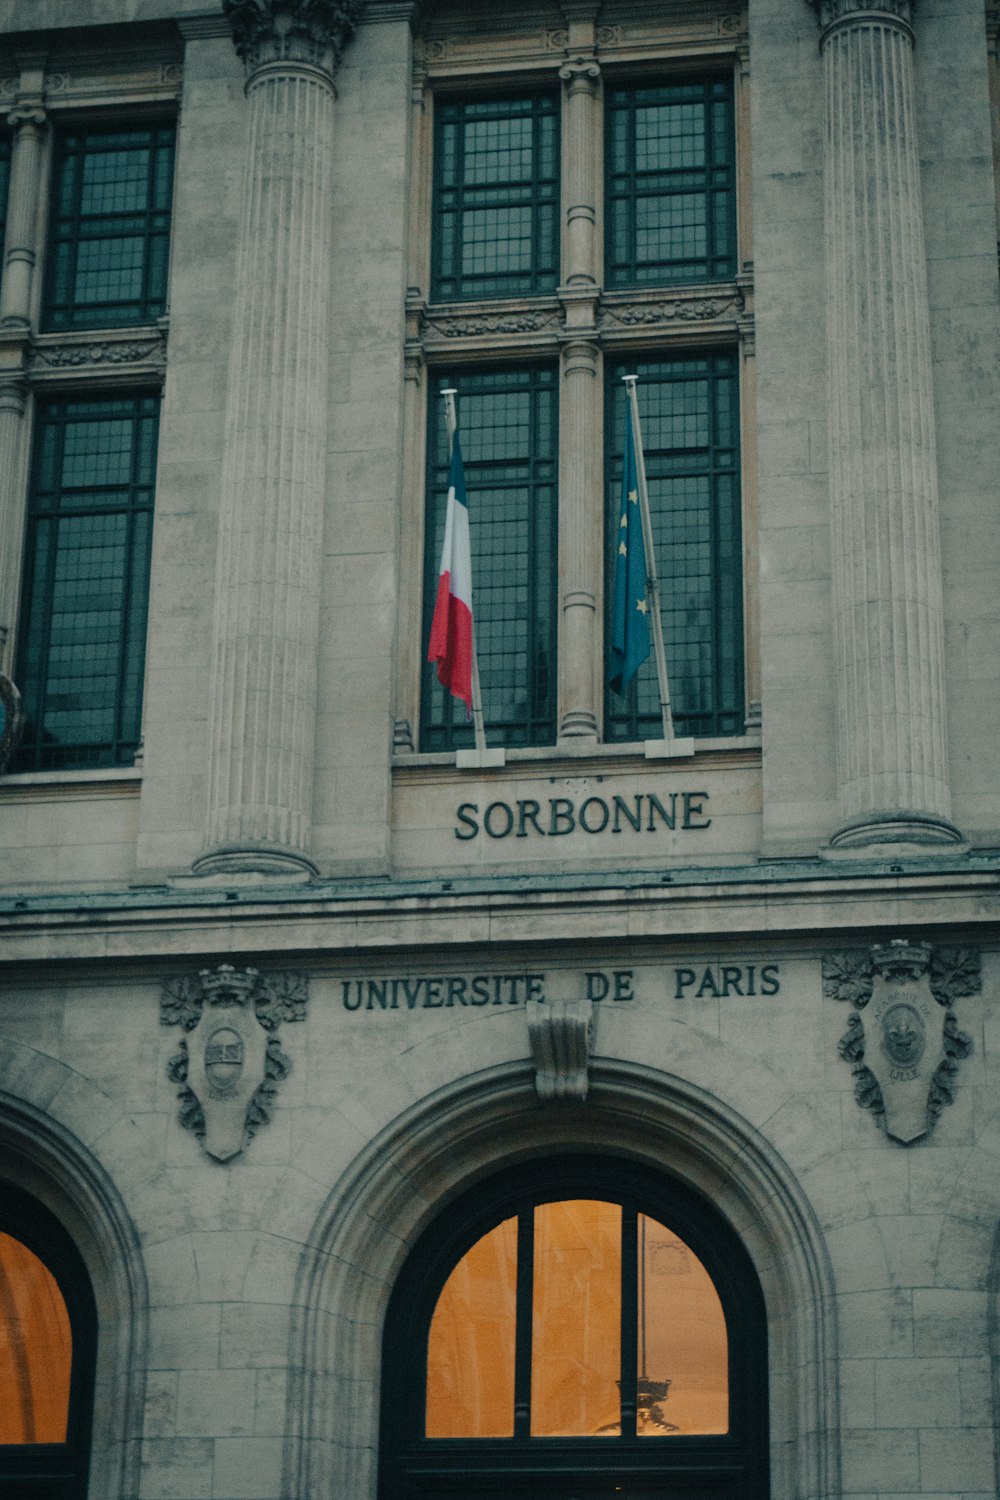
(451, 418)
(652, 592)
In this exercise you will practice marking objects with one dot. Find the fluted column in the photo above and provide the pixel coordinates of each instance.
(579, 470)
(266, 623)
(888, 627)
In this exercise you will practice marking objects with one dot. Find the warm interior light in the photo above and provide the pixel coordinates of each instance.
(682, 1337)
(35, 1349)
(576, 1327)
(470, 1353)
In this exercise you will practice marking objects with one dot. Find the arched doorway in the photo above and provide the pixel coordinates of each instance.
(576, 1327)
(48, 1327)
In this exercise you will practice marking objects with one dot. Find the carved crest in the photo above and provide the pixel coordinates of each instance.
(230, 1062)
(905, 1059)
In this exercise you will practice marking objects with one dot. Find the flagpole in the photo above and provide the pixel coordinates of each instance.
(451, 419)
(652, 591)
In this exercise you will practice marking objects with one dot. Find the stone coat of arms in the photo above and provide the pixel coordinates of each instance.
(230, 1062)
(904, 1051)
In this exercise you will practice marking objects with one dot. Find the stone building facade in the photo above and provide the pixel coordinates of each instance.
(304, 997)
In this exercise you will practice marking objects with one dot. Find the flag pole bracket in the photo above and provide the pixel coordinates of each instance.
(675, 749)
(476, 759)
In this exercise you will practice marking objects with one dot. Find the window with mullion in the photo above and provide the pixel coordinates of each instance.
(109, 233)
(671, 184)
(509, 433)
(496, 198)
(86, 582)
(690, 429)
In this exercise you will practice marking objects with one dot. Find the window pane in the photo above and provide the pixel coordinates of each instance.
(35, 1349)
(688, 411)
(87, 567)
(509, 438)
(683, 1383)
(576, 1322)
(496, 189)
(110, 228)
(671, 184)
(470, 1354)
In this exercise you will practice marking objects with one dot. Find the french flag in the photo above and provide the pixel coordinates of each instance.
(451, 628)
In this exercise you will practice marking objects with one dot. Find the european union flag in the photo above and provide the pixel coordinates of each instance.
(630, 617)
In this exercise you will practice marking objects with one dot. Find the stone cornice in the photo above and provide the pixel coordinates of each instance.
(309, 32)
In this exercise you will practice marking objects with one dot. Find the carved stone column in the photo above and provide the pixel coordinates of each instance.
(888, 628)
(266, 624)
(579, 471)
(28, 122)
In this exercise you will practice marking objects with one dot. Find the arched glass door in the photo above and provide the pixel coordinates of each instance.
(580, 1329)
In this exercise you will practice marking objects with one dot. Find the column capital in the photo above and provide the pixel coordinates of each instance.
(839, 13)
(310, 32)
(30, 117)
(581, 71)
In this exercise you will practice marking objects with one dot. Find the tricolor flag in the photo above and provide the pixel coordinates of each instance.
(451, 628)
(630, 616)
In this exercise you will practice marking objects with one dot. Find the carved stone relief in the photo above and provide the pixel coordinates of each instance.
(561, 1033)
(307, 31)
(230, 1061)
(905, 1061)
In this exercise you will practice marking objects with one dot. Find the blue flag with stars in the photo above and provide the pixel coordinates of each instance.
(630, 642)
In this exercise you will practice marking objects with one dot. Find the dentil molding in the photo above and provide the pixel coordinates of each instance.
(905, 1060)
(230, 1062)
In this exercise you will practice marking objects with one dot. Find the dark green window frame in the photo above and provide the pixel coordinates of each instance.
(670, 175)
(496, 197)
(733, 1466)
(689, 411)
(86, 582)
(508, 421)
(109, 234)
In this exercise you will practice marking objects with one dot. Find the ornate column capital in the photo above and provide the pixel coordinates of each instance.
(27, 117)
(581, 73)
(834, 14)
(310, 32)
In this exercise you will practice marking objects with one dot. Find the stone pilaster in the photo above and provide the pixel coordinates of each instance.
(266, 624)
(13, 398)
(888, 626)
(27, 120)
(580, 419)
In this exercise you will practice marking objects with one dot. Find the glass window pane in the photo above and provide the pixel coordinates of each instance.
(683, 1352)
(508, 427)
(35, 1349)
(576, 1323)
(688, 415)
(110, 228)
(671, 184)
(496, 181)
(470, 1354)
(86, 576)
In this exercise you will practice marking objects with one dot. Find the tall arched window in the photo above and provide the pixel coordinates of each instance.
(47, 1346)
(576, 1328)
